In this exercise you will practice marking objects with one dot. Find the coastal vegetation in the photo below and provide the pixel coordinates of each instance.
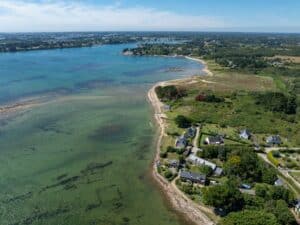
(170, 92)
(242, 113)
(242, 166)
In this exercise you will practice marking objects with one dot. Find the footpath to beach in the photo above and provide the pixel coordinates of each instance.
(180, 202)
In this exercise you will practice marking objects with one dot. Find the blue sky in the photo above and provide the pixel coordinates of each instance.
(179, 15)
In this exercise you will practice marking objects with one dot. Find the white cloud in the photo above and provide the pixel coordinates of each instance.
(66, 16)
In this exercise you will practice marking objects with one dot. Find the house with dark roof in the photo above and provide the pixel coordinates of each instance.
(245, 134)
(273, 140)
(190, 132)
(181, 142)
(173, 163)
(214, 140)
(193, 177)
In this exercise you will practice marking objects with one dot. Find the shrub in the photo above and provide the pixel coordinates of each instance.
(276, 154)
(200, 98)
(170, 92)
(180, 151)
(163, 155)
(277, 102)
(171, 149)
(273, 160)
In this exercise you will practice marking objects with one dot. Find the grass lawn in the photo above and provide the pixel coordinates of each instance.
(167, 141)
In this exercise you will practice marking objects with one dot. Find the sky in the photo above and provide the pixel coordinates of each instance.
(150, 15)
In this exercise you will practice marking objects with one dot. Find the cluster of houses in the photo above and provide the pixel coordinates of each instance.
(270, 140)
(191, 157)
(244, 134)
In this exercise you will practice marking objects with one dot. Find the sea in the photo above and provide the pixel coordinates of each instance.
(82, 155)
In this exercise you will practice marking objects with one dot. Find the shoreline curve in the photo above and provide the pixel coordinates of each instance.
(179, 201)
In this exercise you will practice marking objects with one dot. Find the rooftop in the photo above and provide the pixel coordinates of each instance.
(192, 176)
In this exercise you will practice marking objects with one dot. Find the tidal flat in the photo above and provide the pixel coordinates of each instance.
(83, 156)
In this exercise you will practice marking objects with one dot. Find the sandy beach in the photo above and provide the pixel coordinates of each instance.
(206, 70)
(181, 203)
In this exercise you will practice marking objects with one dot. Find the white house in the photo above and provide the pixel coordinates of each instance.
(200, 162)
(245, 134)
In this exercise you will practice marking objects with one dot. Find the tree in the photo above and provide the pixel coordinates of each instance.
(243, 163)
(170, 92)
(278, 193)
(182, 121)
(280, 209)
(163, 154)
(268, 173)
(226, 197)
(168, 174)
(208, 171)
(232, 166)
(181, 159)
(291, 105)
(250, 217)
(269, 192)
(253, 202)
(261, 190)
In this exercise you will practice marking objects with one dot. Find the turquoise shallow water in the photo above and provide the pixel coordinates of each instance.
(81, 158)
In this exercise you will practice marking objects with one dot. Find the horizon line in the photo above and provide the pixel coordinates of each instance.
(153, 31)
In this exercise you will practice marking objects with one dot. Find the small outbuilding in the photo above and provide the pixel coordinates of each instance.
(245, 134)
(218, 171)
(190, 132)
(278, 182)
(181, 142)
(273, 140)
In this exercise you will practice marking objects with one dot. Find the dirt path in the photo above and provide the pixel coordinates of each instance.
(196, 139)
(179, 201)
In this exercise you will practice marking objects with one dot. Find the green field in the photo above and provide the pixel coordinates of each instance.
(239, 110)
